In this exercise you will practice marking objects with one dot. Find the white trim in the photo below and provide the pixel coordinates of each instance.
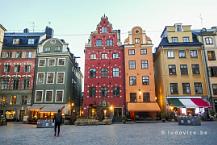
(43, 78)
(45, 97)
(56, 96)
(57, 78)
(47, 77)
(44, 62)
(48, 64)
(64, 62)
(41, 96)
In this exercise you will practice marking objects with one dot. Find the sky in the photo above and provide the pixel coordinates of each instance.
(74, 20)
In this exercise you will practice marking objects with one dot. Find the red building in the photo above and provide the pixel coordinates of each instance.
(104, 73)
(17, 71)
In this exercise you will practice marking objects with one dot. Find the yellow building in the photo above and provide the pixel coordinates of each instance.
(139, 76)
(180, 71)
(2, 30)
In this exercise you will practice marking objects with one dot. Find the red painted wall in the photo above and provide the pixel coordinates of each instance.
(110, 63)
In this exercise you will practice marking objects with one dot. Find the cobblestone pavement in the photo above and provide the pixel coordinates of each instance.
(116, 134)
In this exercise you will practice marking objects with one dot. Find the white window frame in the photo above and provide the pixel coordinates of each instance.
(64, 61)
(43, 78)
(44, 62)
(16, 41)
(31, 41)
(56, 96)
(57, 77)
(41, 96)
(186, 38)
(28, 54)
(47, 77)
(48, 64)
(93, 56)
(45, 98)
(170, 54)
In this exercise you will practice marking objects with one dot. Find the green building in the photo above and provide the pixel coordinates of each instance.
(58, 81)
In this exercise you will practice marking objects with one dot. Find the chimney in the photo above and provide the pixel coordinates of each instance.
(26, 30)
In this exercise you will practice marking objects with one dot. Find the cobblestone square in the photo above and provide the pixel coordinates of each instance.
(116, 134)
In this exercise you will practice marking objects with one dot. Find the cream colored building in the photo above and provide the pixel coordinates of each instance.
(2, 30)
(209, 39)
(139, 75)
(180, 77)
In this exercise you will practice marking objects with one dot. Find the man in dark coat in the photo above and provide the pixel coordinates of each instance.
(57, 121)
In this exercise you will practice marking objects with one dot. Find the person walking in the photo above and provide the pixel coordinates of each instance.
(57, 122)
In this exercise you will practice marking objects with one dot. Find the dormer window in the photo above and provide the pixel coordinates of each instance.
(16, 41)
(174, 39)
(47, 49)
(104, 30)
(31, 41)
(179, 28)
(186, 39)
(98, 42)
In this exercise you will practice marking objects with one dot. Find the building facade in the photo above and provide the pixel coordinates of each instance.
(139, 76)
(209, 39)
(17, 70)
(104, 73)
(2, 31)
(58, 80)
(180, 75)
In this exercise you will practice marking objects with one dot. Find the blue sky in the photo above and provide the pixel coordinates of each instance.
(73, 20)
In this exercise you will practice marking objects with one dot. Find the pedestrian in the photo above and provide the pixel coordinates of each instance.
(57, 122)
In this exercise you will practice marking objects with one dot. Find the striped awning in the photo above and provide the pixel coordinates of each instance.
(188, 102)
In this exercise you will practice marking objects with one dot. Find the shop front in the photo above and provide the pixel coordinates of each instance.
(142, 111)
(187, 105)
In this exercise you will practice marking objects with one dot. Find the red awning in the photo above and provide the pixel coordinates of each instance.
(200, 102)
